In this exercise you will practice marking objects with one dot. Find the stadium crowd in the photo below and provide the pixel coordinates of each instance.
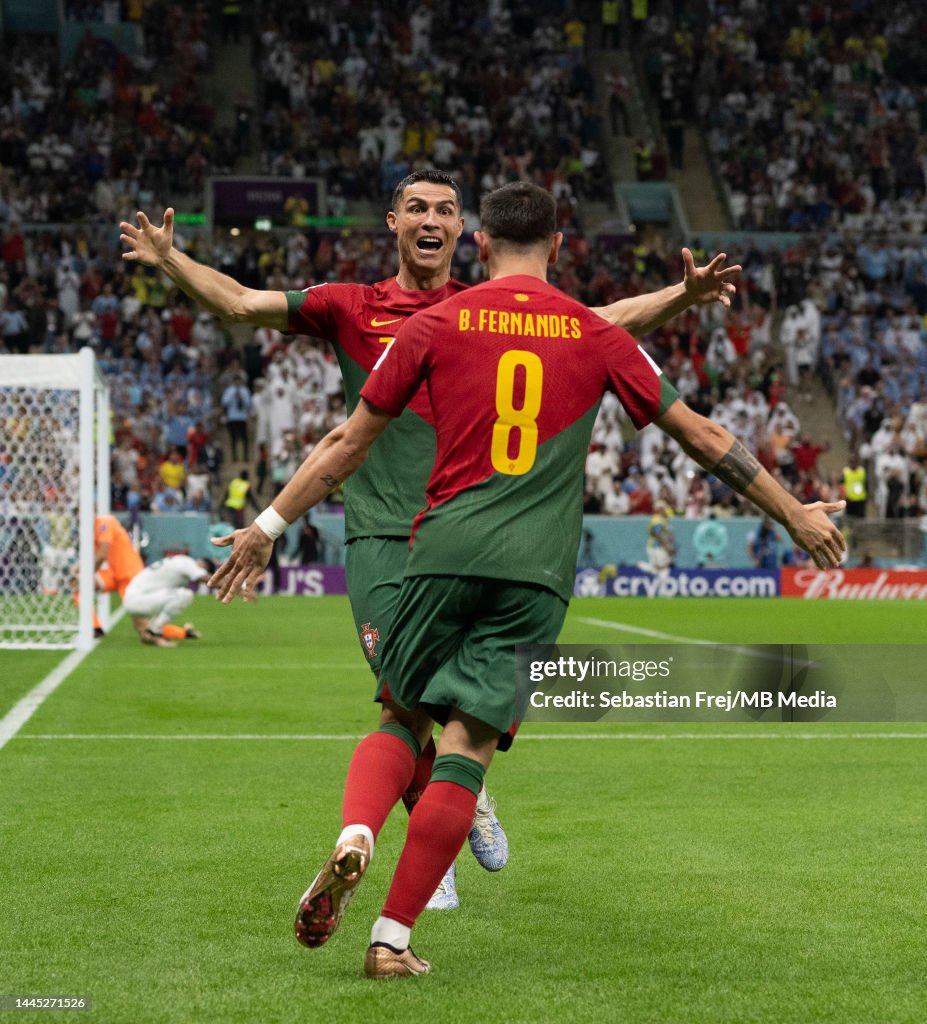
(814, 112)
(490, 92)
(89, 139)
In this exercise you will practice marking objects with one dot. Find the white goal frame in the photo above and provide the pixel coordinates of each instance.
(55, 373)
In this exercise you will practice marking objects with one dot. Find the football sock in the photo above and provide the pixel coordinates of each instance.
(438, 826)
(406, 735)
(378, 775)
(174, 632)
(463, 771)
(420, 779)
(350, 831)
(391, 932)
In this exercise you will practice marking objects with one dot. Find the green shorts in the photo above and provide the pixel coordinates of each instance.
(453, 646)
(373, 568)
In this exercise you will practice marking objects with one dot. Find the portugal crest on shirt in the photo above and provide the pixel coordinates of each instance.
(370, 638)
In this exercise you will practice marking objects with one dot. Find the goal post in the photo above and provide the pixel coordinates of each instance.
(54, 481)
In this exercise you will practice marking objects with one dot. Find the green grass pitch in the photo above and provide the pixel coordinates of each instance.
(687, 880)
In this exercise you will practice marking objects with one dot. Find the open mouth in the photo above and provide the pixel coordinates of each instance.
(428, 243)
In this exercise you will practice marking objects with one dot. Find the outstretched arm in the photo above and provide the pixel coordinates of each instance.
(700, 285)
(718, 451)
(220, 294)
(338, 455)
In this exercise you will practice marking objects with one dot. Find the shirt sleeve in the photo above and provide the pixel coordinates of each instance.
(641, 386)
(311, 312)
(190, 568)
(400, 370)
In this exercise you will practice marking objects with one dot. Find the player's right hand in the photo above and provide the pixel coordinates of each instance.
(240, 573)
(148, 244)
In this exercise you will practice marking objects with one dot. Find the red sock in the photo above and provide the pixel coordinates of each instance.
(438, 827)
(171, 632)
(422, 775)
(378, 775)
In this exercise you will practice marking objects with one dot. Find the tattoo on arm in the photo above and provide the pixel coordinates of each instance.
(737, 468)
(331, 481)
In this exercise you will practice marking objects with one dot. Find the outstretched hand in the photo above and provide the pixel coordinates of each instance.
(813, 532)
(239, 574)
(148, 244)
(711, 283)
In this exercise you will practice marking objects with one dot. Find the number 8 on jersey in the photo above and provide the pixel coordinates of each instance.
(525, 418)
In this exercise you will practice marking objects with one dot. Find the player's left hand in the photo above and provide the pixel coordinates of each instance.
(711, 283)
(240, 573)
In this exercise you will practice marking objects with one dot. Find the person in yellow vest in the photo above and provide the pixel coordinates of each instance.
(611, 12)
(643, 160)
(237, 496)
(854, 487)
(231, 16)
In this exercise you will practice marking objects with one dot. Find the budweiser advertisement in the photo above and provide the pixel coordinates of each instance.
(854, 584)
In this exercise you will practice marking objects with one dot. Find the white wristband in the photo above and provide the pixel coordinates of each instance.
(271, 522)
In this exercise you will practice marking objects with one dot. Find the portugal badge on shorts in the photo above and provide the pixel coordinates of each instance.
(370, 638)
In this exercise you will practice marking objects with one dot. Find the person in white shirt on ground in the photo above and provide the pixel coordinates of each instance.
(162, 590)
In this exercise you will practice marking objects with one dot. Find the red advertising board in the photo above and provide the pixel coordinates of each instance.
(854, 584)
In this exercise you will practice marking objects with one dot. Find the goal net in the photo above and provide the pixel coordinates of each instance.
(54, 479)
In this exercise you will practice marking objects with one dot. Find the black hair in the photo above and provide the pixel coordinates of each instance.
(433, 177)
(520, 212)
(209, 565)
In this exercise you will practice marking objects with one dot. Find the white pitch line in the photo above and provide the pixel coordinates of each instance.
(302, 666)
(626, 627)
(572, 736)
(24, 709)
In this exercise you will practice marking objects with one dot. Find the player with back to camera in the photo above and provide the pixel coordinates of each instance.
(382, 500)
(515, 371)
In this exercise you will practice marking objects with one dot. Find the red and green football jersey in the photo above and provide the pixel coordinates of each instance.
(384, 496)
(514, 371)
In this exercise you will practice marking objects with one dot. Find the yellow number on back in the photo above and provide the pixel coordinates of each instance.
(525, 418)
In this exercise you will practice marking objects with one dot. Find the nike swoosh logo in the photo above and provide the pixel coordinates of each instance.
(382, 323)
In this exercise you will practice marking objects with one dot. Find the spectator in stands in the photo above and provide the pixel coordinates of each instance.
(166, 499)
(854, 487)
(709, 539)
(236, 401)
(616, 502)
(661, 544)
(806, 454)
(763, 545)
(238, 495)
(891, 477)
(172, 471)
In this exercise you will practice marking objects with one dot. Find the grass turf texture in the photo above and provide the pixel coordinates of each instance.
(653, 881)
